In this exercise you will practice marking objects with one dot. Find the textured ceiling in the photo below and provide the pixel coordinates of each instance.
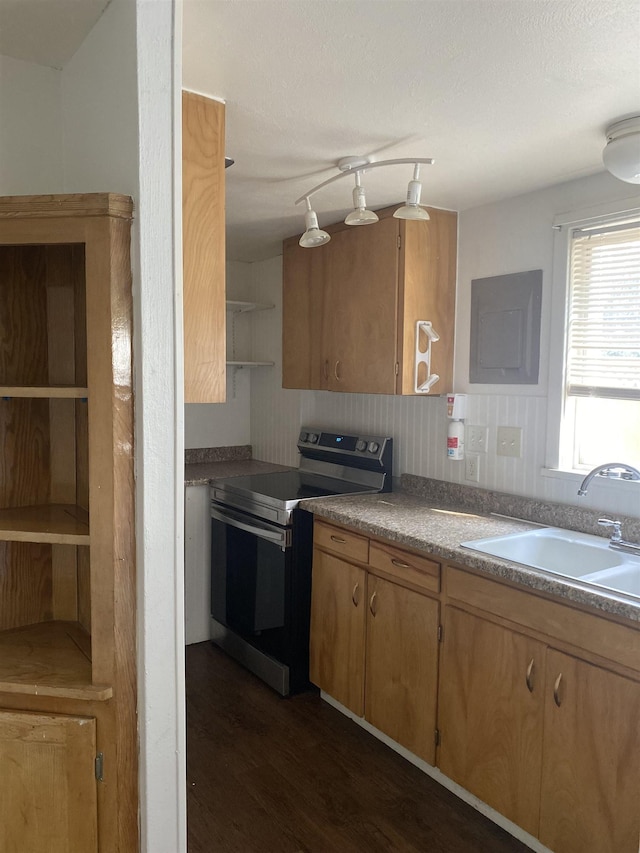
(47, 32)
(506, 95)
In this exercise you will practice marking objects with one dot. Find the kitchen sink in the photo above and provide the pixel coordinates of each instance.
(565, 552)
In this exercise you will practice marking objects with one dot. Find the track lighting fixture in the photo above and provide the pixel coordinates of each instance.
(314, 236)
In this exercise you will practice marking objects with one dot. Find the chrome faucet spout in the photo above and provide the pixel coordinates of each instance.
(615, 470)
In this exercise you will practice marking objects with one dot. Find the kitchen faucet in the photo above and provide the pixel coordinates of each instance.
(626, 472)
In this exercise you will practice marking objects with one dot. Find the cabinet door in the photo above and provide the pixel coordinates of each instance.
(361, 308)
(203, 249)
(591, 764)
(336, 653)
(402, 665)
(47, 785)
(304, 360)
(491, 714)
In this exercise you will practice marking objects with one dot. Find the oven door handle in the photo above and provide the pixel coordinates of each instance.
(278, 536)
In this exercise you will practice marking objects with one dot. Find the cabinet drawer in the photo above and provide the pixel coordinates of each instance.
(341, 542)
(405, 566)
(556, 621)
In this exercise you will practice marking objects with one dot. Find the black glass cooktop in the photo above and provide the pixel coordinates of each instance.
(288, 486)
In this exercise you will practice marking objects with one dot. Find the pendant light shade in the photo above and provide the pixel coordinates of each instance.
(412, 209)
(360, 215)
(314, 235)
(621, 155)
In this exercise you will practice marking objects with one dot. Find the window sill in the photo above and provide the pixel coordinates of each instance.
(600, 482)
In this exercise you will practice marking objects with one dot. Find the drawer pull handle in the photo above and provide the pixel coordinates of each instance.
(355, 595)
(529, 676)
(338, 539)
(372, 604)
(335, 371)
(556, 691)
(400, 564)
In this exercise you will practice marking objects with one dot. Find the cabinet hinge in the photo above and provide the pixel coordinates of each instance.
(440, 633)
(437, 735)
(397, 368)
(399, 241)
(99, 767)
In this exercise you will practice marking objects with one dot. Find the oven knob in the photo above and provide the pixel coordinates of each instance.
(374, 447)
(312, 438)
(361, 445)
(303, 436)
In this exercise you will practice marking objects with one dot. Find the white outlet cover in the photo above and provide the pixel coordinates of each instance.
(509, 441)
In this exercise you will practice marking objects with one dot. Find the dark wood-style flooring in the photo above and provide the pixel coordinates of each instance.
(274, 775)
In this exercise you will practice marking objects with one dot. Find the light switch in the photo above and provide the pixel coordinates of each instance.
(509, 441)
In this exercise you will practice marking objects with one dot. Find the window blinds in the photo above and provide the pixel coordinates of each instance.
(603, 355)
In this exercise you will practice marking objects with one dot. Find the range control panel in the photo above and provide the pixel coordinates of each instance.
(371, 447)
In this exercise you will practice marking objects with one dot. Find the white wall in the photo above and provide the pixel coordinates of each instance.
(30, 128)
(120, 94)
(510, 236)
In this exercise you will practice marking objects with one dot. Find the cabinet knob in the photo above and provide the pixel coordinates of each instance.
(529, 676)
(556, 691)
(355, 595)
(372, 604)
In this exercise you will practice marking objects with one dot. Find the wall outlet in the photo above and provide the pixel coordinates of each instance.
(509, 441)
(472, 467)
(477, 439)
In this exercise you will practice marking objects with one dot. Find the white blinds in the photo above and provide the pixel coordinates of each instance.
(603, 356)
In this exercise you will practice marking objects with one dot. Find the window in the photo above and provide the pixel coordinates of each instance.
(600, 418)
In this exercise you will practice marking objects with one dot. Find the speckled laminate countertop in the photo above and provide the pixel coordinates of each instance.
(204, 473)
(438, 529)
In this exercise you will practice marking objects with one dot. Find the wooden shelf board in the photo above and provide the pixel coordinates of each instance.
(44, 391)
(250, 363)
(49, 659)
(238, 307)
(59, 524)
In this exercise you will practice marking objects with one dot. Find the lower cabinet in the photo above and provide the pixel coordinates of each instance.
(550, 741)
(538, 701)
(374, 642)
(48, 795)
(491, 715)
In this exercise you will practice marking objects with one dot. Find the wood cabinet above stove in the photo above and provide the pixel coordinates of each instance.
(350, 307)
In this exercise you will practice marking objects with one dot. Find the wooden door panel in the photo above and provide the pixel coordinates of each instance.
(336, 653)
(304, 359)
(361, 308)
(490, 718)
(402, 665)
(48, 801)
(591, 766)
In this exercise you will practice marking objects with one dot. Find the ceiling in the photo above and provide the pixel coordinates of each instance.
(47, 32)
(507, 96)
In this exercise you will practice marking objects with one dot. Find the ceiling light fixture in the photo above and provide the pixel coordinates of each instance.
(360, 215)
(412, 209)
(313, 236)
(621, 154)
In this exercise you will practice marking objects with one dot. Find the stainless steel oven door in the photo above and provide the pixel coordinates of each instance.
(249, 571)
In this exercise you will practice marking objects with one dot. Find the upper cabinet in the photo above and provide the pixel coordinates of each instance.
(351, 307)
(203, 248)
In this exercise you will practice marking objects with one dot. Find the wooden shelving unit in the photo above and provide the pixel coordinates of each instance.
(67, 515)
